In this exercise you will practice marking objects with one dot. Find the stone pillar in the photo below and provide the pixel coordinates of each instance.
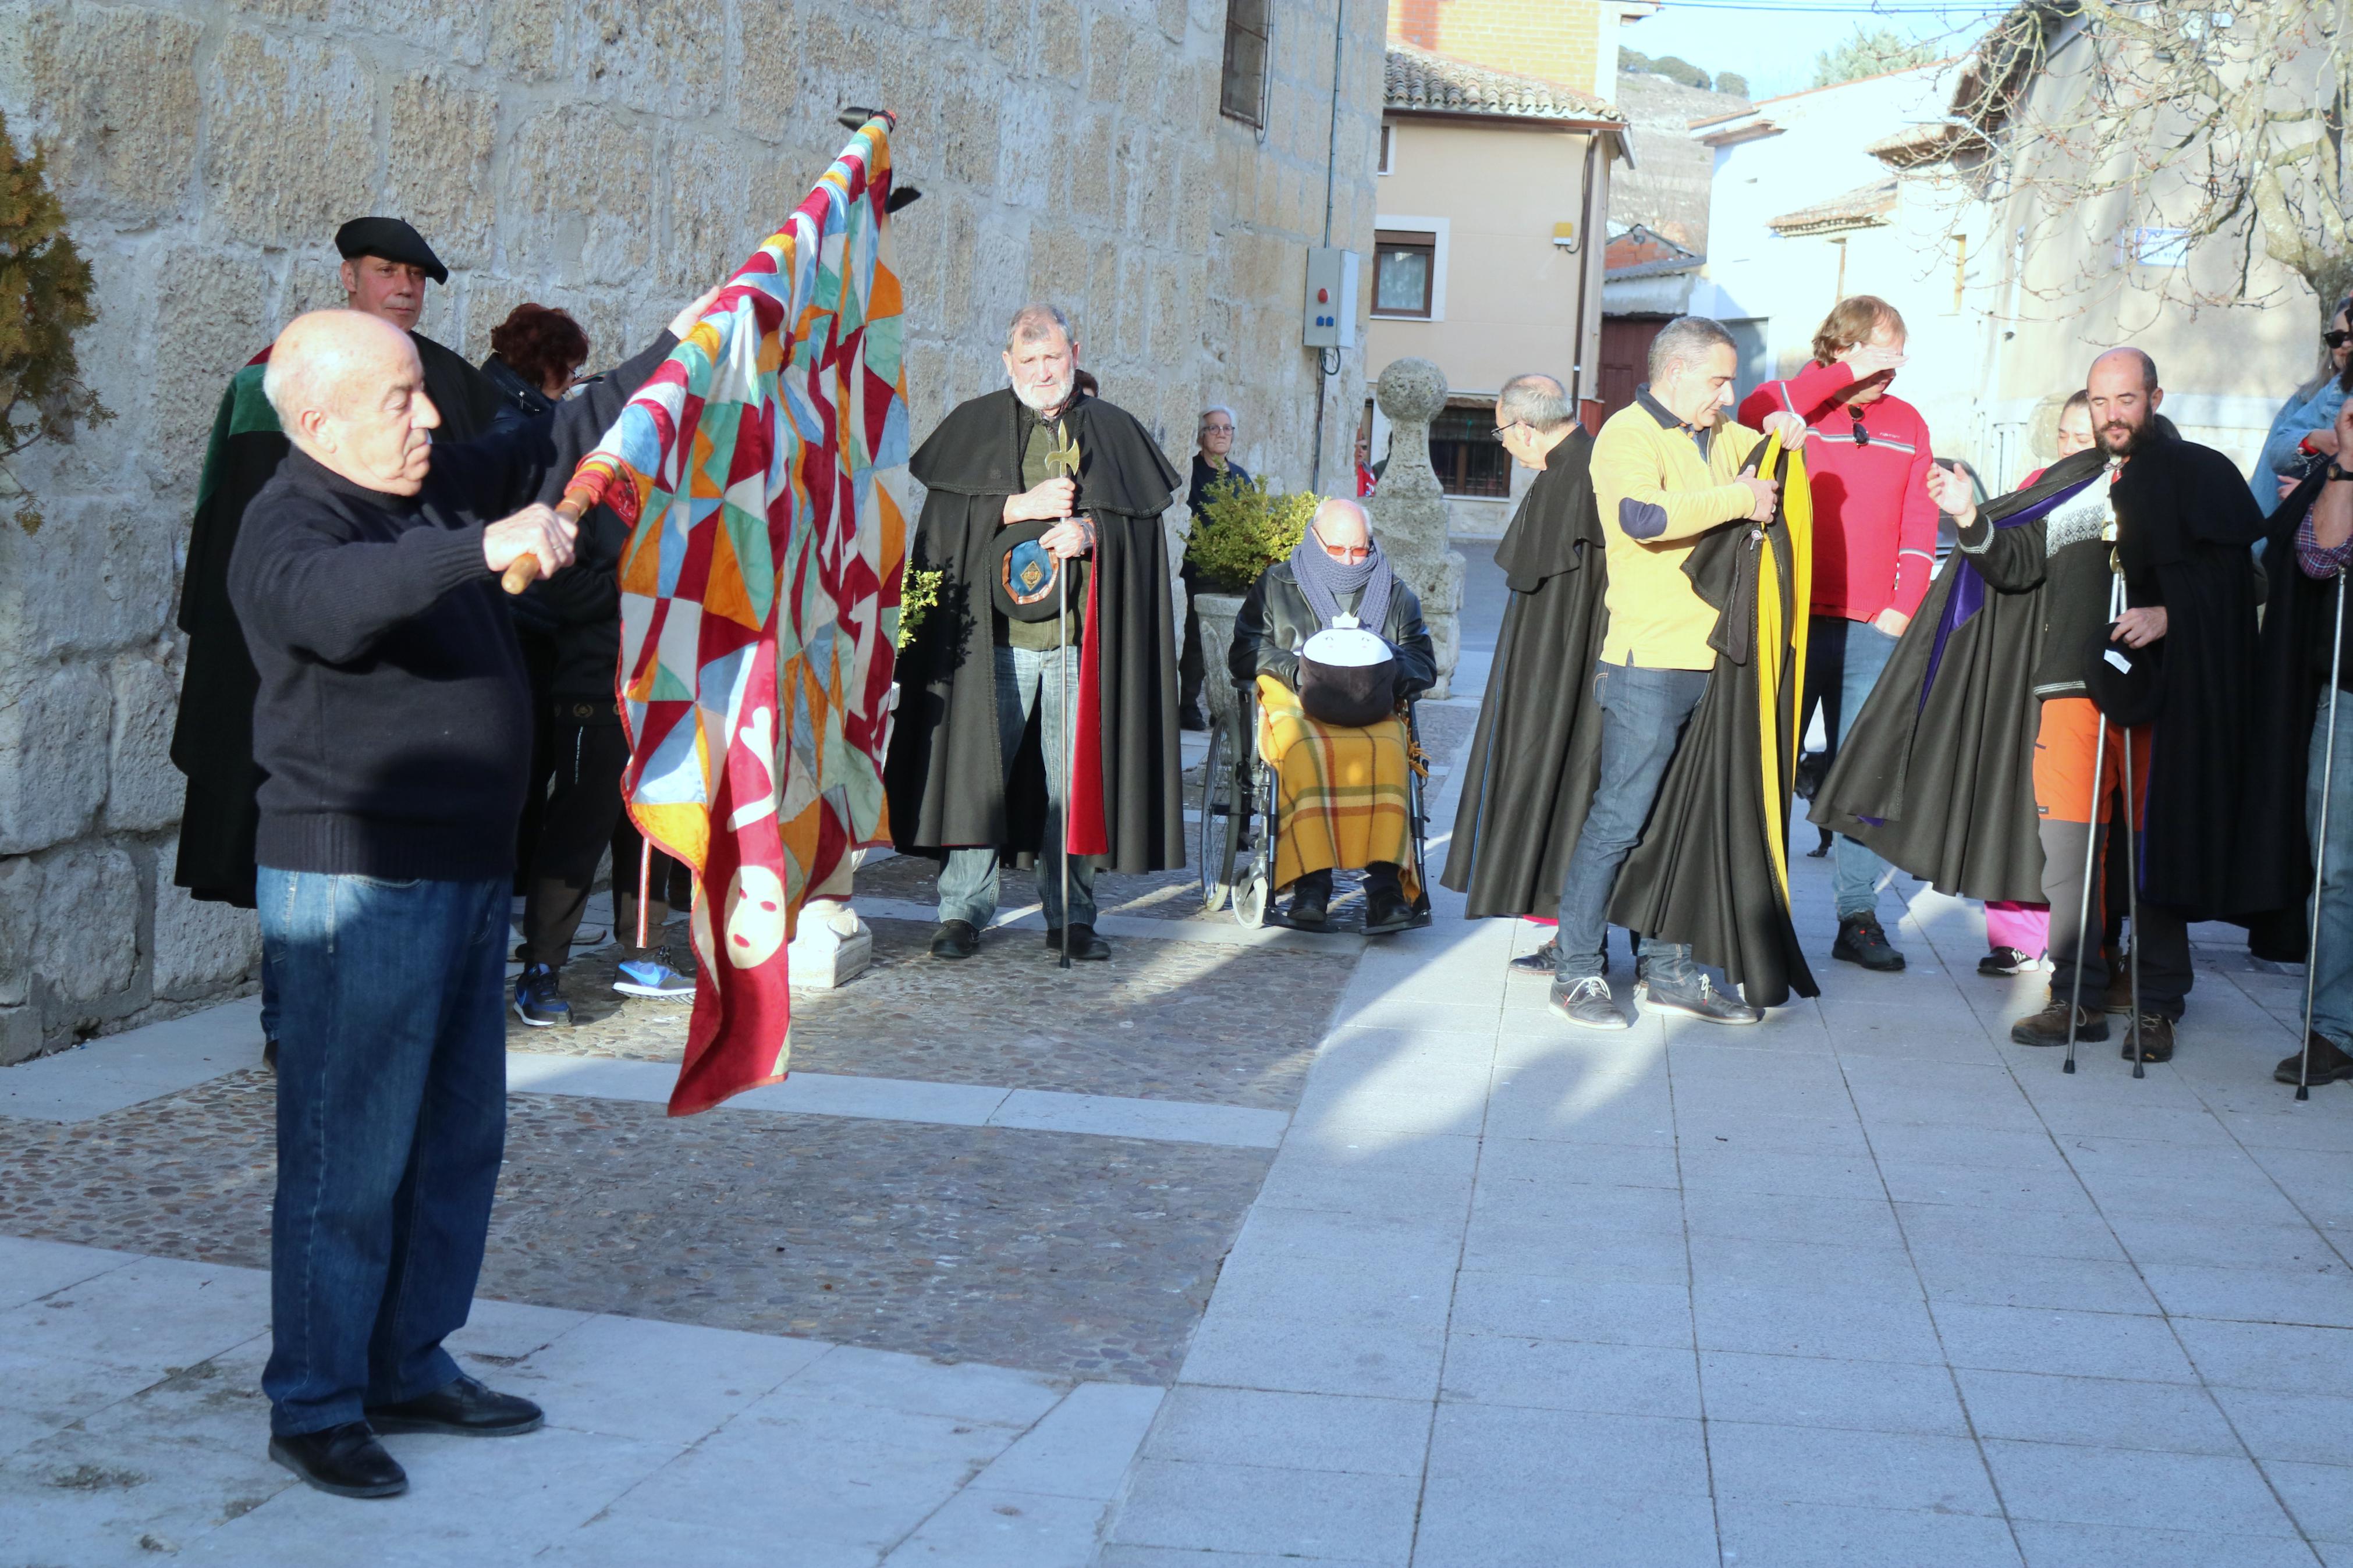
(1409, 511)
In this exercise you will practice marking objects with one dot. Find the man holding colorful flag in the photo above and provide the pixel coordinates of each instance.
(1042, 515)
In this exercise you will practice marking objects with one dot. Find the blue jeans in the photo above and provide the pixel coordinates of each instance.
(1844, 660)
(1642, 717)
(391, 1122)
(1027, 679)
(2332, 987)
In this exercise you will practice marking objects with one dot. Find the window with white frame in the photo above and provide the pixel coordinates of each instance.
(1409, 268)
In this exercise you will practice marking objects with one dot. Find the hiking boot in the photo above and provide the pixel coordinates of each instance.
(649, 976)
(2329, 1064)
(2156, 1039)
(956, 939)
(1863, 939)
(1542, 961)
(2009, 960)
(2049, 1027)
(1701, 1001)
(1586, 1004)
(537, 999)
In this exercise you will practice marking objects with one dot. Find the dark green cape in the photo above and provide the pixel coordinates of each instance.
(944, 775)
(1537, 752)
(212, 741)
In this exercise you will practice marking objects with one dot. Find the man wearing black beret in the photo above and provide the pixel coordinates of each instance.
(386, 263)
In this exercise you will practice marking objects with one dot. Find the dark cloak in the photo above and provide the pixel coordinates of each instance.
(1712, 868)
(466, 400)
(944, 775)
(2186, 519)
(1536, 756)
(2292, 684)
(212, 741)
(1936, 775)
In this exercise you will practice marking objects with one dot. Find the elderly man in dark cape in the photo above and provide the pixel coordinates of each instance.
(971, 774)
(1992, 692)
(212, 741)
(1537, 753)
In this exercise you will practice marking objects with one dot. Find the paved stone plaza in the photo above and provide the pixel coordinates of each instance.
(1259, 1247)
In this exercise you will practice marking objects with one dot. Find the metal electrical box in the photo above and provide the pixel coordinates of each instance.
(1331, 282)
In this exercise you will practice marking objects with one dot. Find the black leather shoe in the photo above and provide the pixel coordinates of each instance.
(1310, 908)
(1189, 717)
(460, 1407)
(269, 1052)
(956, 939)
(1543, 961)
(346, 1460)
(1386, 911)
(1863, 939)
(1085, 945)
(2329, 1064)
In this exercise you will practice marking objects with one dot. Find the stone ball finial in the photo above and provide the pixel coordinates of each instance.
(1412, 391)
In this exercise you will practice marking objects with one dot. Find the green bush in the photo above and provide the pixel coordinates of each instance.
(919, 595)
(1243, 530)
(45, 288)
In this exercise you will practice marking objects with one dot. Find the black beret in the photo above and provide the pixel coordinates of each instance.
(2125, 683)
(392, 239)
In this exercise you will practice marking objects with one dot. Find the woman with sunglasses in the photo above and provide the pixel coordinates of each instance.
(2305, 427)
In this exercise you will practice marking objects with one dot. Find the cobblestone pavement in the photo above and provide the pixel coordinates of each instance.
(1080, 1257)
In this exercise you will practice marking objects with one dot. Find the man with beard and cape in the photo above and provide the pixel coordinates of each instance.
(973, 774)
(1972, 765)
(1538, 746)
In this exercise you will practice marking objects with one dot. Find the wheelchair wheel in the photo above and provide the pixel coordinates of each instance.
(1225, 811)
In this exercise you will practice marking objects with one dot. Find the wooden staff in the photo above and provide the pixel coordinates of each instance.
(523, 570)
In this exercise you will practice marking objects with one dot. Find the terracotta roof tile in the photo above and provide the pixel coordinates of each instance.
(1428, 83)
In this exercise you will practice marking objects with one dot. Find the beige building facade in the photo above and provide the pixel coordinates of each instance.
(1129, 159)
(1493, 200)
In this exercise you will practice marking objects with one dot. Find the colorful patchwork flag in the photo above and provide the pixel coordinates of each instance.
(760, 599)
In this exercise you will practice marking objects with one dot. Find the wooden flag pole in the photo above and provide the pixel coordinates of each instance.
(523, 570)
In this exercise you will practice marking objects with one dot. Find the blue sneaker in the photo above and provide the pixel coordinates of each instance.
(649, 976)
(537, 1000)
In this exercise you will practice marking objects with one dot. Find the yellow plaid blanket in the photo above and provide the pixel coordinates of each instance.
(1344, 795)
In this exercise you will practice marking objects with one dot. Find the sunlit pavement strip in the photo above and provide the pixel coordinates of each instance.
(1223, 932)
(132, 1433)
(1866, 1284)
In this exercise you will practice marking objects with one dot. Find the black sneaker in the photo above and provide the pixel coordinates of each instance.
(1586, 1004)
(538, 1001)
(1703, 1001)
(1863, 939)
(2009, 960)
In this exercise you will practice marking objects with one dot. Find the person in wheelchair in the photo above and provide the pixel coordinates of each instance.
(1336, 648)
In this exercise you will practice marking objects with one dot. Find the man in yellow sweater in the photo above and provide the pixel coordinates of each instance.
(1666, 471)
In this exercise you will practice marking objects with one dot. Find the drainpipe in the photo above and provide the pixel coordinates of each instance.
(1584, 273)
(1327, 359)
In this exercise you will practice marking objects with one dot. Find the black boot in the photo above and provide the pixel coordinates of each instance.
(1863, 939)
(1311, 902)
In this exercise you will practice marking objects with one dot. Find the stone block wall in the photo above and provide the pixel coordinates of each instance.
(613, 157)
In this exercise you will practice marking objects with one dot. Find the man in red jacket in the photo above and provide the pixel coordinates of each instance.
(1875, 550)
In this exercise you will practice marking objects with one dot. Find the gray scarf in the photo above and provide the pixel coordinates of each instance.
(1323, 580)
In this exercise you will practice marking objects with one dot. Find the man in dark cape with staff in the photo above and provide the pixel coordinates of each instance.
(972, 776)
(1537, 752)
(2020, 725)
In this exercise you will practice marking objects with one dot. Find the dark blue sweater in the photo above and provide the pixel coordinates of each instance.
(393, 717)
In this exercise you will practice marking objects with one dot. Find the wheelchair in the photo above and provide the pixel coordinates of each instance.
(1234, 840)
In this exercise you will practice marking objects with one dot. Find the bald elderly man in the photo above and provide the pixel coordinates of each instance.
(394, 724)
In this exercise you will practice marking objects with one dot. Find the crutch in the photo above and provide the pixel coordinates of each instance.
(2132, 898)
(1062, 735)
(2320, 854)
(2090, 853)
(645, 884)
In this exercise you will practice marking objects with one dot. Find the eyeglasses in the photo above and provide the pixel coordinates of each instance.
(1862, 436)
(1216, 429)
(2334, 339)
(1344, 552)
(1501, 429)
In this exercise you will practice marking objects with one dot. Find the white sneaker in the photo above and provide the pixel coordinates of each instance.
(652, 977)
